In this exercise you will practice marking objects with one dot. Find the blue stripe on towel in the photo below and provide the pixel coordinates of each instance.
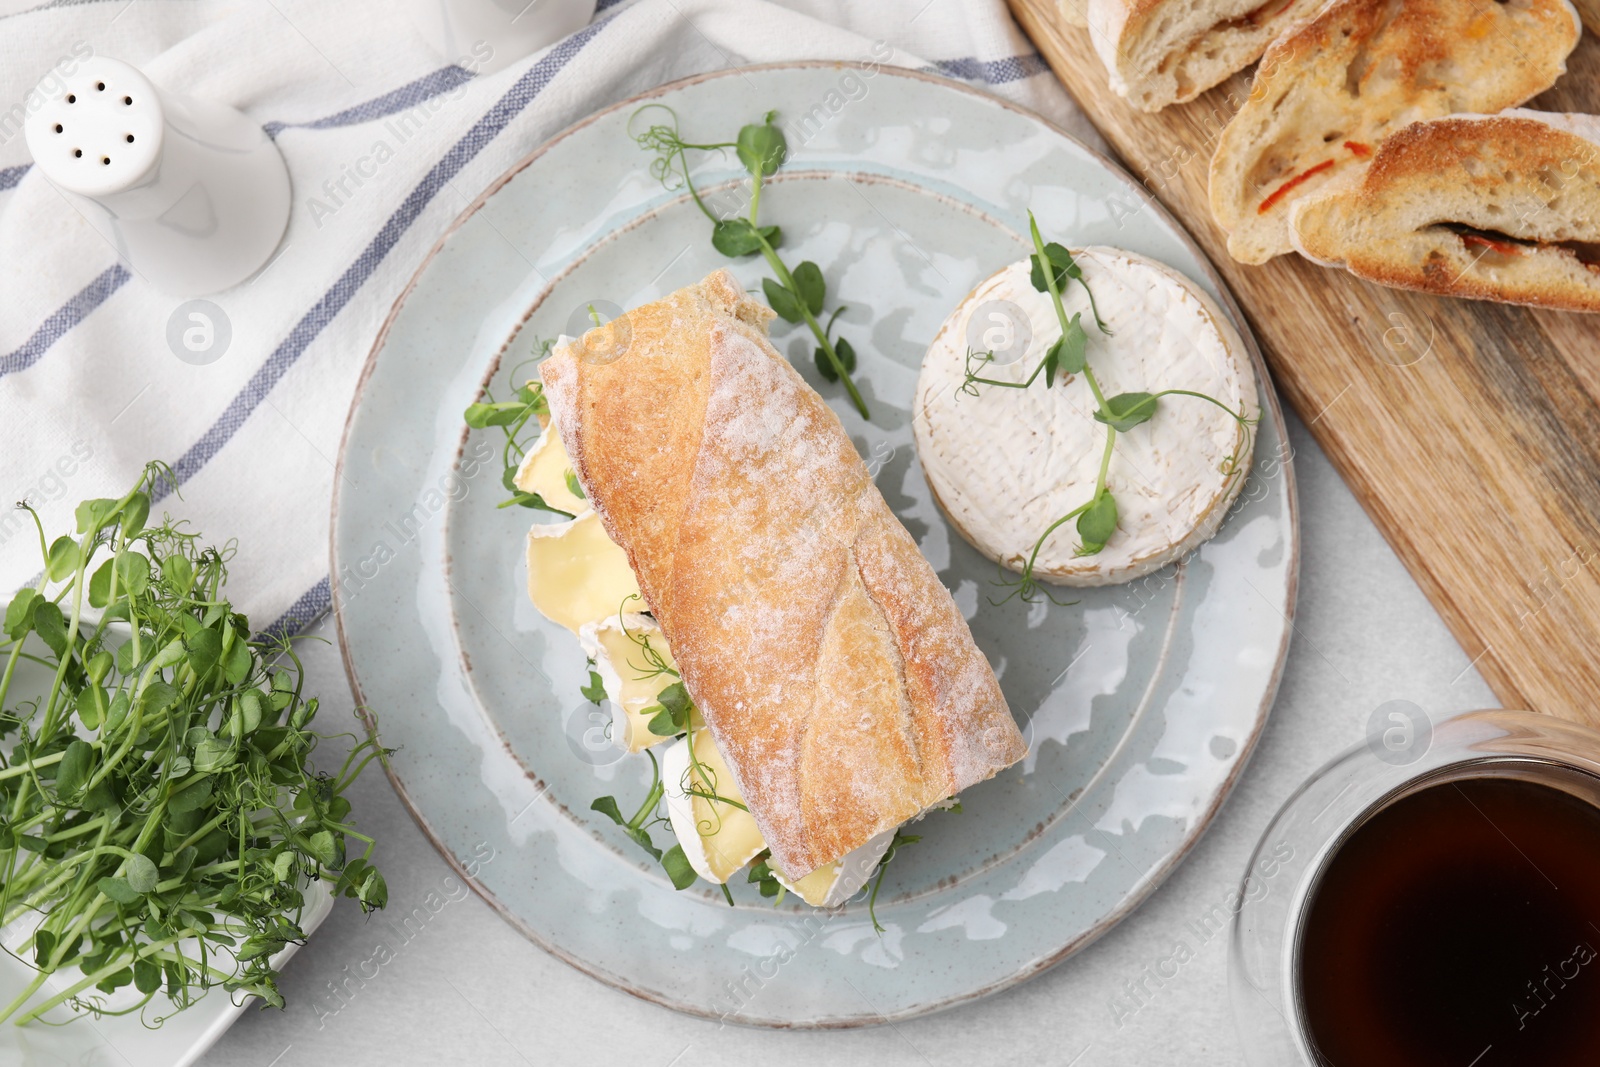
(64, 318)
(526, 89)
(991, 71)
(407, 96)
(311, 606)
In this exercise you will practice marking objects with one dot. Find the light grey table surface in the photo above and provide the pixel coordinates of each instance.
(466, 988)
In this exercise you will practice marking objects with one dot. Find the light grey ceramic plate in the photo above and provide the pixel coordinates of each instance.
(1141, 703)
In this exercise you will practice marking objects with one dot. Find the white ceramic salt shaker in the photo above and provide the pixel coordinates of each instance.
(193, 193)
(490, 35)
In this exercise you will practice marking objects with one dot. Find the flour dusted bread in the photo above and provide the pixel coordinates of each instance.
(1160, 52)
(1503, 207)
(835, 672)
(1327, 95)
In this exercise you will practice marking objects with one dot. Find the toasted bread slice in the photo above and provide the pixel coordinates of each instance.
(1494, 207)
(1161, 52)
(1327, 95)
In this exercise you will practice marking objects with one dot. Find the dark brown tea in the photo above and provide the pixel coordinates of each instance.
(1459, 927)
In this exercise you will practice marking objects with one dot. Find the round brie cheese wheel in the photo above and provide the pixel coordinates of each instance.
(1006, 463)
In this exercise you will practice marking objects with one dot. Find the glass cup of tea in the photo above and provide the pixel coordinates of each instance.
(1429, 897)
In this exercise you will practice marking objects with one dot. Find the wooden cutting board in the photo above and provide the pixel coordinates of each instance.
(1469, 431)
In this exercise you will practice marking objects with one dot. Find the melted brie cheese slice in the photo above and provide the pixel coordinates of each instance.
(617, 644)
(1007, 463)
(576, 574)
(718, 839)
(544, 470)
(834, 883)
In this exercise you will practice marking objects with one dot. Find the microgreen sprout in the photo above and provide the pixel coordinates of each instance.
(900, 840)
(798, 295)
(637, 827)
(1052, 267)
(512, 417)
(157, 803)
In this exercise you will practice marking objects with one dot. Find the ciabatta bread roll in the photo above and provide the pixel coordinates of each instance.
(1161, 52)
(1503, 207)
(1327, 95)
(836, 674)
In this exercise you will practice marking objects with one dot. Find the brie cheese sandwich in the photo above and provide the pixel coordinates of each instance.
(746, 556)
(1330, 92)
(1502, 207)
(1006, 463)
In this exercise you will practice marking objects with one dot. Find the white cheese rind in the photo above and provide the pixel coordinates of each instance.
(544, 471)
(1007, 463)
(732, 832)
(631, 684)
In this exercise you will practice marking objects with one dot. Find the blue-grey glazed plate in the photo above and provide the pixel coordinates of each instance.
(1141, 703)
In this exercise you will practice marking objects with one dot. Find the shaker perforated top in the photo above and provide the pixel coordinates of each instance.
(100, 134)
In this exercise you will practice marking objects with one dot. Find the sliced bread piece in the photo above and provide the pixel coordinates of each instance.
(1494, 207)
(1326, 95)
(1161, 52)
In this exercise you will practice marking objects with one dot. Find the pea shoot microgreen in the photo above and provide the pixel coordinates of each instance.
(1052, 268)
(595, 691)
(761, 876)
(798, 295)
(637, 827)
(157, 802)
(512, 416)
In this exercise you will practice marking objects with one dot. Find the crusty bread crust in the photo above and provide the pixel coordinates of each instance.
(1510, 174)
(835, 671)
(1332, 90)
(1160, 52)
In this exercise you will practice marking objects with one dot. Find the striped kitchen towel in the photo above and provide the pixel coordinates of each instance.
(386, 145)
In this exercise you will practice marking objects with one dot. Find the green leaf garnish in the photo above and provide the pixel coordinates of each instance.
(1097, 523)
(676, 864)
(809, 286)
(736, 238)
(1074, 346)
(670, 714)
(785, 303)
(762, 148)
(847, 358)
(1126, 410)
(607, 806)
